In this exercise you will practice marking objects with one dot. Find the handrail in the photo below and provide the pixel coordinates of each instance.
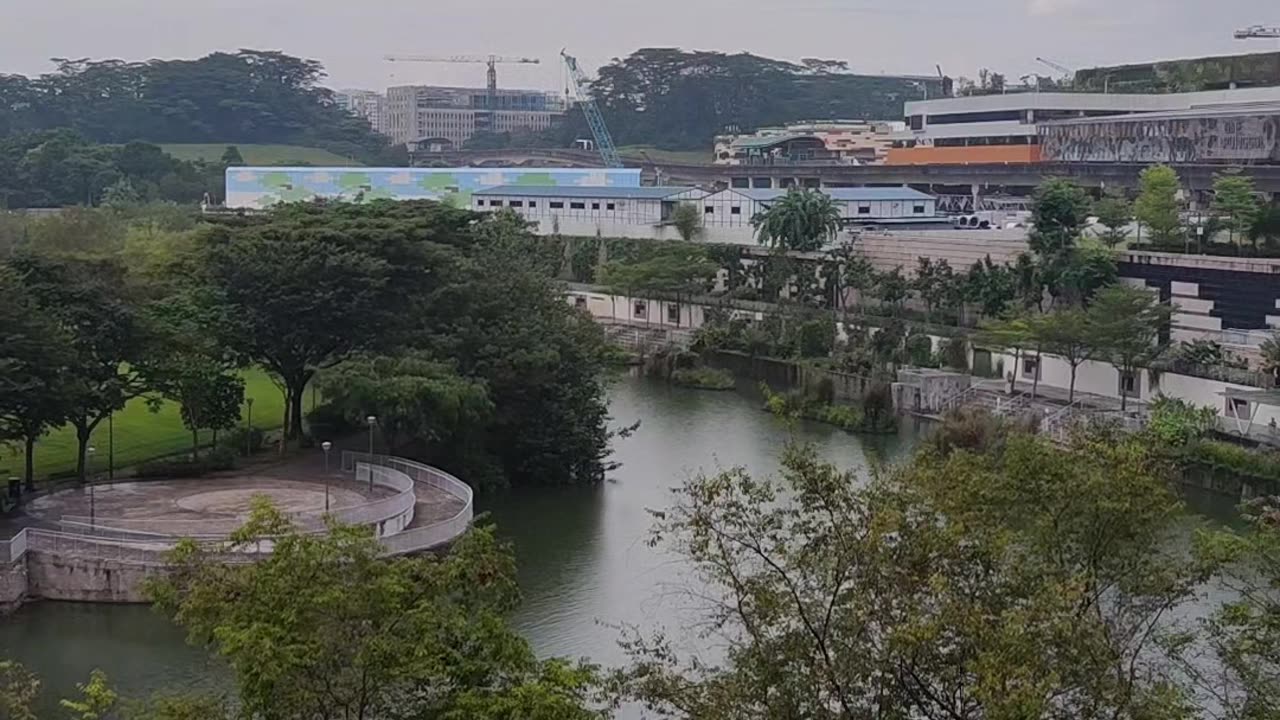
(955, 401)
(142, 547)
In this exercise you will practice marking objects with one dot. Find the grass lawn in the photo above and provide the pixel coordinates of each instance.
(140, 434)
(260, 154)
(681, 157)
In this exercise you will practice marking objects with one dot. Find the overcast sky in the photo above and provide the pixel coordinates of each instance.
(897, 36)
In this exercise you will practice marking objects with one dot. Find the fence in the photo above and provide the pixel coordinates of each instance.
(86, 539)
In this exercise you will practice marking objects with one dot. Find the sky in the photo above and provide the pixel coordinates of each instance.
(893, 36)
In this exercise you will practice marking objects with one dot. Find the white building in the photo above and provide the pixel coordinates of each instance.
(634, 212)
(735, 207)
(365, 104)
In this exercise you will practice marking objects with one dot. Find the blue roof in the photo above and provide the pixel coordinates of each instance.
(618, 193)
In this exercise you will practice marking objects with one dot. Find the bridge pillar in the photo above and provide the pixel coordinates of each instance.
(977, 193)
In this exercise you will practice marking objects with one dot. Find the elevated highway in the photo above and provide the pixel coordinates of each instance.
(947, 178)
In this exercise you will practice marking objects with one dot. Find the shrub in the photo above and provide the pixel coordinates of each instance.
(920, 350)
(817, 337)
(824, 391)
(239, 439)
(1177, 423)
(1236, 458)
(329, 421)
(954, 354)
(703, 378)
(219, 459)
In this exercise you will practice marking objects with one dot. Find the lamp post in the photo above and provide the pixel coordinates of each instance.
(93, 497)
(326, 446)
(372, 420)
(248, 429)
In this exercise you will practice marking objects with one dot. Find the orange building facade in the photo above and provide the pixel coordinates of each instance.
(972, 155)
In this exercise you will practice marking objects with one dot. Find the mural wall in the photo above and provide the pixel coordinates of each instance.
(261, 187)
(1239, 138)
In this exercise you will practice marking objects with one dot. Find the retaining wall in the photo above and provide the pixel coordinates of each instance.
(13, 585)
(54, 577)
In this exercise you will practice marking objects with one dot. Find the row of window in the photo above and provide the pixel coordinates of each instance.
(554, 204)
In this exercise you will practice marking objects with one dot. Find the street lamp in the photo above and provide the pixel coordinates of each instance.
(372, 420)
(248, 429)
(93, 498)
(326, 446)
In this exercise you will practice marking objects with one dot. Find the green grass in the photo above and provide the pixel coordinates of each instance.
(141, 434)
(260, 154)
(677, 157)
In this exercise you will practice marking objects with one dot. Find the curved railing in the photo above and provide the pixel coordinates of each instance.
(393, 518)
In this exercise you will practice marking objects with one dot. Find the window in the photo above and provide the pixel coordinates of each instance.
(533, 203)
(611, 206)
(595, 206)
(479, 203)
(517, 203)
(495, 203)
(580, 302)
(577, 206)
(709, 210)
(673, 313)
(1030, 368)
(1129, 384)
(557, 205)
(918, 209)
(864, 209)
(735, 210)
(641, 310)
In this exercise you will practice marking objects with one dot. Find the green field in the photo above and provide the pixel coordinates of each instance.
(675, 157)
(142, 435)
(260, 154)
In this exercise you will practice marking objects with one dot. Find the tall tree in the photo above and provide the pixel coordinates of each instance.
(1114, 212)
(1058, 215)
(35, 353)
(1235, 198)
(1129, 325)
(313, 284)
(800, 221)
(1069, 334)
(91, 301)
(1157, 203)
(1017, 332)
(327, 628)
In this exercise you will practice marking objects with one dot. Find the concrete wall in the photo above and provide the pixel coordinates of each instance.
(960, 248)
(54, 577)
(13, 585)
(740, 235)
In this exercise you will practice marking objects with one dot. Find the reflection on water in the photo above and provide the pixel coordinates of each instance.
(585, 564)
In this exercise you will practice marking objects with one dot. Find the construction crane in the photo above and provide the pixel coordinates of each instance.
(1258, 31)
(600, 131)
(1056, 66)
(491, 60)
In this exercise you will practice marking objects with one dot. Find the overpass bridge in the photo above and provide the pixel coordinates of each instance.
(947, 179)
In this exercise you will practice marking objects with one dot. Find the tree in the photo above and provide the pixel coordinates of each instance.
(1081, 274)
(1020, 583)
(688, 221)
(90, 301)
(992, 287)
(1266, 226)
(935, 283)
(327, 627)
(314, 284)
(1157, 203)
(1069, 334)
(1129, 325)
(1029, 282)
(1235, 198)
(1243, 633)
(19, 689)
(1114, 212)
(800, 221)
(231, 156)
(1058, 214)
(892, 288)
(1271, 355)
(674, 268)
(1017, 332)
(34, 356)
(414, 397)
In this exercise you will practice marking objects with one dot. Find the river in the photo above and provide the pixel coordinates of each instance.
(585, 566)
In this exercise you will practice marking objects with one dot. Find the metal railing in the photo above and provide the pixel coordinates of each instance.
(95, 540)
(960, 399)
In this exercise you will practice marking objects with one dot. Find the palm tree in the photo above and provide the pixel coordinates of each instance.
(801, 220)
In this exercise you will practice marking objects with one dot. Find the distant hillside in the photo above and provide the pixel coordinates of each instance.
(260, 154)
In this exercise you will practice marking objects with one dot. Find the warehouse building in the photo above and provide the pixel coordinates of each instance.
(599, 206)
(734, 207)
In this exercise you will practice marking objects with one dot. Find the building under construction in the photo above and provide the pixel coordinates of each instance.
(440, 117)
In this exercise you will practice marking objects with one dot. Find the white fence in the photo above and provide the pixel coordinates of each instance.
(120, 541)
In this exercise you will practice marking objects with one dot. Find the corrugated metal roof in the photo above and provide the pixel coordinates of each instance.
(864, 194)
(620, 193)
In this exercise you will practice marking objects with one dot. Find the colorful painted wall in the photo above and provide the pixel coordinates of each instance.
(261, 187)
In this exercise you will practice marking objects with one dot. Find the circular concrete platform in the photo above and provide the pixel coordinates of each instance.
(203, 506)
